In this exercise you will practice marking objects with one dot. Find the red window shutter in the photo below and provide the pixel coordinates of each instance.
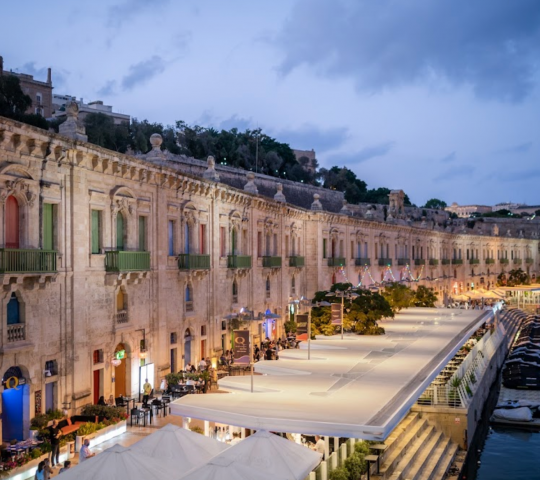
(12, 222)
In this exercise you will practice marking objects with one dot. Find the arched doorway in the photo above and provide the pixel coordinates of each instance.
(187, 347)
(121, 371)
(15, 404)
(12, 222)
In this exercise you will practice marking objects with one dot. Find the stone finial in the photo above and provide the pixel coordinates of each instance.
(369, 213)
(520, 234)
(279, 196)
(345, 209)
(508, 233)
(424, 223)
(250, 185)
(389, 218)
(316, 205)
(73, 127)
(495, 230)
(210, 173)
(155, 154)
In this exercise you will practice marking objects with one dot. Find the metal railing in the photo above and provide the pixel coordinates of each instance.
(490, 261)
(188, 261)
(16, 332)
(385, 262)
(122, 316)
(120, 261)
(529, 261)
(433, 261)
(504, 261)
(403, 261)
(474, 261)
(336, 262)
(517, 261)
(238, 261)
(419, 261)
(457, 261)
(445, 261)
(271, 262)
(362, 262)
(27, 261)
(296, 261)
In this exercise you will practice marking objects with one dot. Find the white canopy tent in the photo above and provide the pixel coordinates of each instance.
(121, 462)
(188, 449)
(266, 451)
(221, 468)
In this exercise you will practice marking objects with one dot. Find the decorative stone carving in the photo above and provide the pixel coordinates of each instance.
(279, 196)
(155, 154)
(495, 230)
(73, 127)
(369, 213)
(210, 173)
(17, 187)
(316, 205)
(250, 185)
(121, 204)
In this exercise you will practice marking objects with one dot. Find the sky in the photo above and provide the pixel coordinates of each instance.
(437, 97)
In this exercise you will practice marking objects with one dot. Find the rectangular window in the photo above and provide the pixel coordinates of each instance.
(48, 227)
(259, 244)
(174, 359)
(187, 239)
(275, 245)
(96, 232)
(171, 237)
(142, 234)
(324, 248)
(222, 242)
(365, 250)
(286, 245)
(352, 249)
(202, 239)
(341, 249)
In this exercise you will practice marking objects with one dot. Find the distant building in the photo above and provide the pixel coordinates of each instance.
(507, 206)
(97, 106)
(311, 165)
(465, 211)
(40, 92)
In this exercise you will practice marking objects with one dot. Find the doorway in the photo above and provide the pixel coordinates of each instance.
(50, 396)
(97, 384)
(120, 372)
(187, 347)
(15, 405)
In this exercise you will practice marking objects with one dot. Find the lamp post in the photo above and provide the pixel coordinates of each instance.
(349, 295)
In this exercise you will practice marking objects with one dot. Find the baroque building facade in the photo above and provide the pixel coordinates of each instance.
(116, 268)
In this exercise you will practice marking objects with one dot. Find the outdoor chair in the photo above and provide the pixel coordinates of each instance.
(120, 402)
(138, 415)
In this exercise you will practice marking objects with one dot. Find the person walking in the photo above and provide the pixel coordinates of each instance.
(54, 440)
(85, 452)
(147, 389)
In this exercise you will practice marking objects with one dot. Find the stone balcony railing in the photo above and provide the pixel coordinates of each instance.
(16, 332)
(188, 261)
(120, 261)
(122, 316)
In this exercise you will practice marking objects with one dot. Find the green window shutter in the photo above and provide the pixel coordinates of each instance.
(48, 226)
(120, 232)
(142, 234)
(95, 231)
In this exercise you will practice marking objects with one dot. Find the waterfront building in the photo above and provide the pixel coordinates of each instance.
(465, 211)
(117, 268)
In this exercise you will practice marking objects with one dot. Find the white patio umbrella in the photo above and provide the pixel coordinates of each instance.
(121, 462)
(268, 452)
(221, 468)
(187, 448)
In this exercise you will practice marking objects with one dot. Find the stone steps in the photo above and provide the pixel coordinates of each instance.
(443, 464)
(425, 454)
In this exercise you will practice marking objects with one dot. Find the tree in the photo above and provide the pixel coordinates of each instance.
(399, 296)
(435, 203)
(102, 131)
(424, 297)
(13, 101)
(513, 278)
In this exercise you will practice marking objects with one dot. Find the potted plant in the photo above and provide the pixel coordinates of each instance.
(453, 396)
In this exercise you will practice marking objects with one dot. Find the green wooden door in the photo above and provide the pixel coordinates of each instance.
(142, 234)
(95, 231)
(48, 243)
(120, 232)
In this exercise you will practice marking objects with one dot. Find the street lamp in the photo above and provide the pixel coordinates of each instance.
(349, 295)
(310, 305)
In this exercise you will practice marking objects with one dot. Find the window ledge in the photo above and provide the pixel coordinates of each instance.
(17, 346)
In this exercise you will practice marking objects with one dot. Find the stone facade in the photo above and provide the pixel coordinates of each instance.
(147, 251)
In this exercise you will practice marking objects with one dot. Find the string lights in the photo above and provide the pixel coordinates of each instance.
(412, 277)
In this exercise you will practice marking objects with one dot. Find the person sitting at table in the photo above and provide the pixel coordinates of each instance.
(101, 400)
(111, 402)
(269, 352)
(223, 360)
(85, 452)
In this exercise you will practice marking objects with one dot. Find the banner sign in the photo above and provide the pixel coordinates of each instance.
(301, 326)
(336, 314)
(242, 351)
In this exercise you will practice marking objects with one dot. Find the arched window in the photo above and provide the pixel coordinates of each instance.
(267, 287)
(12, 222)
(189, 298)
(235, 292)
(120, 231)
(13, 310)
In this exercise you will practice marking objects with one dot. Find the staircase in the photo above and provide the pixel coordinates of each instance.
(416, 450)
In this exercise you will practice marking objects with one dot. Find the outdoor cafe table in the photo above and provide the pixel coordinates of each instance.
(128, 400)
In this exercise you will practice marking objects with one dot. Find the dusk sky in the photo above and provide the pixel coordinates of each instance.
(437, 97)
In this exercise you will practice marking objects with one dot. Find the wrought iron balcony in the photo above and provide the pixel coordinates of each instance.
(529, 261)
(403, 261)
(419, 261)
(434, 262)
(122, 316)
(457, 261)
(27, 261)
(517, 261)
(120, 261)
(385, 262)
(296, 261)
(336, 262)
(445, 261)
(271, 262)
(238, 261)
(362, 262)
(188, 261)
(490, 261)
(504, 261)
(16, 332)
(474, 261)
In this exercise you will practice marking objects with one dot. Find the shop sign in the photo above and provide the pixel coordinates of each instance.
(301, 326)
(242, 349)
(336, 314)
(120, 355)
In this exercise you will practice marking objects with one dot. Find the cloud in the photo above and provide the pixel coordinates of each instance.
(122, 12)
(521, 148)
(360, 156)
(310, 136)
(449, 158)
(235, 121)
(492, 47)
(454, 173)
(59, 76)
(108, 89)
(143, 71)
